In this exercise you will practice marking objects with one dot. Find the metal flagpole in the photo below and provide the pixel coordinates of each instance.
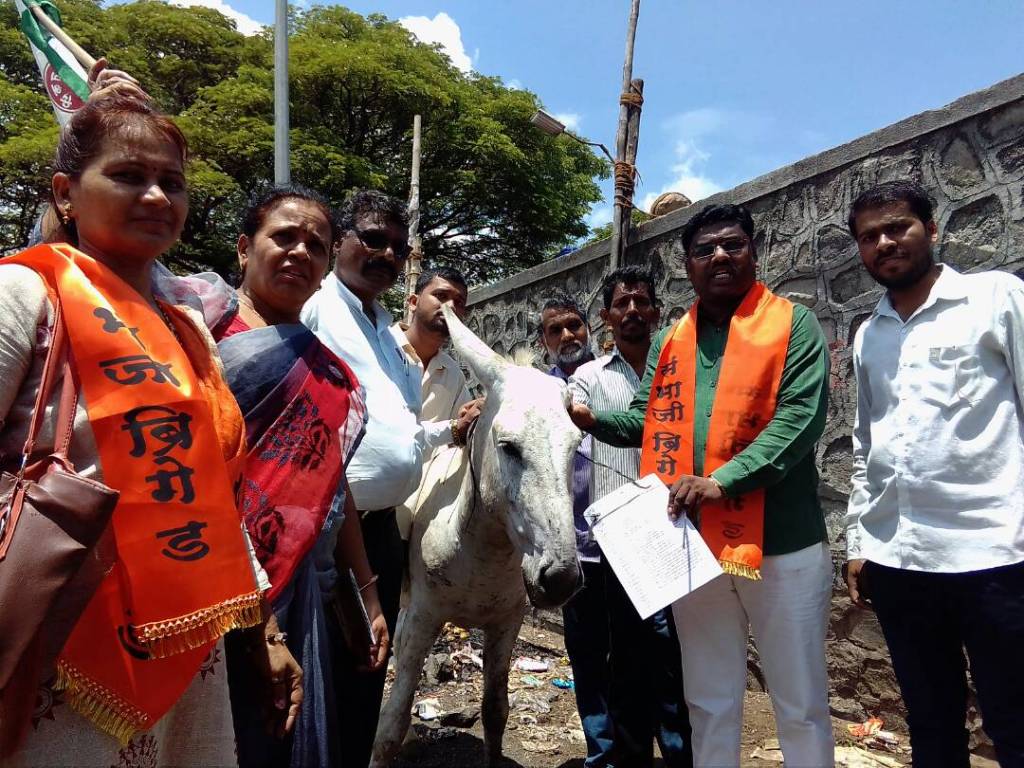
(282, 166)
(413, 267)
(621, 216)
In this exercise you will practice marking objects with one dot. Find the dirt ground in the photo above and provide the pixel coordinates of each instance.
(544, 728)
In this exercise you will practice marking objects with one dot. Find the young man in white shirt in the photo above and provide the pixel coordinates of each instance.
(935, 530)
(448, 409)
(347, 316)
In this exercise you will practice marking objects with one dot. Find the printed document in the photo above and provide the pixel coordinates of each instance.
(656, 560)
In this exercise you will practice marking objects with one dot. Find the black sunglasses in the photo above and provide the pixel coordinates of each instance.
(377, 240)
(732, 246)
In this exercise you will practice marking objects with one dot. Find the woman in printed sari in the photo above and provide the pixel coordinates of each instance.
(141, 680)
(304, 415)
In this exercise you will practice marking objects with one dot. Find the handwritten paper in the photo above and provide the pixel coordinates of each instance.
(656, 561)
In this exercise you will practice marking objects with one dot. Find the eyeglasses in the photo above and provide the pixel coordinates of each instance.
(377, 240)
(733, 247)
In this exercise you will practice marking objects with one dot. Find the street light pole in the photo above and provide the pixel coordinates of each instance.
(282, 166)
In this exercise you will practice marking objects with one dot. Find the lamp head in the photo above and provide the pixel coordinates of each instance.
(547, 123)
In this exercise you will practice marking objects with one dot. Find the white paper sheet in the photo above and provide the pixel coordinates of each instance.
(657, 561)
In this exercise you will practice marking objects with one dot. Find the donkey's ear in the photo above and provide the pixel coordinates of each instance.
(485, 363)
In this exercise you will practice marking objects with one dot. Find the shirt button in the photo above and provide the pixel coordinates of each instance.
(709, 414)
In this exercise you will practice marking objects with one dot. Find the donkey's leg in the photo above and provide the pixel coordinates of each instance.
(498, 642)
(414, 639)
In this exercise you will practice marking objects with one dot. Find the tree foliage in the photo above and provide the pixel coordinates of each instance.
(496, 194)
(636, 216)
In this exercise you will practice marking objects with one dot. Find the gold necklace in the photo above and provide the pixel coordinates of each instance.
(244, 299)
(261, 321)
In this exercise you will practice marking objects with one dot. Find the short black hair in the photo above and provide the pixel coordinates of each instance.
(559, 300)
(364, 201)
(889, 192)
(628, 276)
(717, 213)
(264, 201)
(453, 276)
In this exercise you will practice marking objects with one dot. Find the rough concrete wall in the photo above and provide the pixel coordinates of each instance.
(970, 155)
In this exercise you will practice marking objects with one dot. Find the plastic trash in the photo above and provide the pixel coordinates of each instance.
(427, 709)
(525, 664)
(870, 726)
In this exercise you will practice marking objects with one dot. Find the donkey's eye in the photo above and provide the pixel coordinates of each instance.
(510, 449)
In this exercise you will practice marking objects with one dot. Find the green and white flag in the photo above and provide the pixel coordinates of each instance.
(63, 77)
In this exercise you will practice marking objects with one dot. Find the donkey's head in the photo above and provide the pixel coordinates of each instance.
(523, 450)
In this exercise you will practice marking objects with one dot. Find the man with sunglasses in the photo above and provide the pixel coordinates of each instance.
(347, 316)
(732, 402)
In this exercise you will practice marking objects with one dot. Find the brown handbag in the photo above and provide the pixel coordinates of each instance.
(51, 521)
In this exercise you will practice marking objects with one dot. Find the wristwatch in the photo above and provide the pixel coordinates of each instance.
(456, 437)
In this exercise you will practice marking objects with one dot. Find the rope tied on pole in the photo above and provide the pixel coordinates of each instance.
(632, 99)
(625, 172)
(626, 175)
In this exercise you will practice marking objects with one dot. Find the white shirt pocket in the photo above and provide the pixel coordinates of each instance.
(956, 376)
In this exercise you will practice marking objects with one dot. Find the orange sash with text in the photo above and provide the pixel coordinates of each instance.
(744, 403)
(171, 439)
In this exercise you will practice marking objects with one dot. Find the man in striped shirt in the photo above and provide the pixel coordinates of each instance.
(645, 696)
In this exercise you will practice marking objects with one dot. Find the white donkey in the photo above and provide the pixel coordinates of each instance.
(489, 532)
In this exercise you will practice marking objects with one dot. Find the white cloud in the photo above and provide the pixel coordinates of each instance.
(570, 120)
(515, 84)
(688, 177)
(689, 174)
(245, 24)
(443, 31)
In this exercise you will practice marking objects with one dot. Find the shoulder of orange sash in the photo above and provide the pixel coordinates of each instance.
(42, 259)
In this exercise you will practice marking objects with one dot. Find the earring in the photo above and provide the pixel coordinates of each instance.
(65, 215)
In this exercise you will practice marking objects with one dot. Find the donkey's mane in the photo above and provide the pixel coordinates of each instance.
(525, 356)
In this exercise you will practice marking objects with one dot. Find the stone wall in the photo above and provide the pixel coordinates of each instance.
(970, 155)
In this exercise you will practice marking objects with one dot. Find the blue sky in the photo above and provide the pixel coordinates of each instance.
(734, 88)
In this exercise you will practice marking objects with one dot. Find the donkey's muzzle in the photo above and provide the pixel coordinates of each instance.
(556, 583)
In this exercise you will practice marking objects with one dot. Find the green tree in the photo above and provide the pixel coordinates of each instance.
(636, 216)
(496, 194)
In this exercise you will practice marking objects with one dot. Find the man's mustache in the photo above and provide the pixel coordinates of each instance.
(381, 264)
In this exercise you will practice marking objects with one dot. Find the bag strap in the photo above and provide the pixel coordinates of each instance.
(57, 357)
(66, 412)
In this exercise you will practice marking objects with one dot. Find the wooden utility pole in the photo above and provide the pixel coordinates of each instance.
(630, 102)
(413, 268)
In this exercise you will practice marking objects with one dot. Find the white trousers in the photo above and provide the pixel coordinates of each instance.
(788, 613)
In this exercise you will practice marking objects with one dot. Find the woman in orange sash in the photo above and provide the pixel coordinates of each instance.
(141, 678)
